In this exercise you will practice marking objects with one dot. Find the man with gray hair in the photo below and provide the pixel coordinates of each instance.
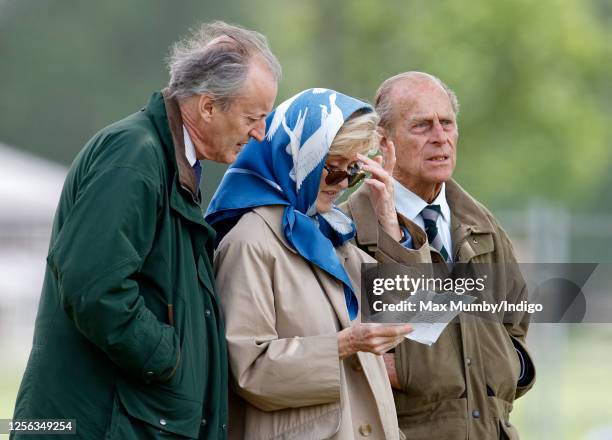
(129, 341)
(463, 386)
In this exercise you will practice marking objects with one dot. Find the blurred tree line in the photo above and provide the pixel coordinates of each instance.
(533, 78)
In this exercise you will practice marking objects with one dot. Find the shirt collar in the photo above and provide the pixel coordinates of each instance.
(190, 152)
(410, 205)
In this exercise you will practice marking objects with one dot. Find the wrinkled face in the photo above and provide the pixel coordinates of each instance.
(329, 193)
(231, 128)
(425, 135)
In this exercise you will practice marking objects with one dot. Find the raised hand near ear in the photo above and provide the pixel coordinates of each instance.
(381, 191)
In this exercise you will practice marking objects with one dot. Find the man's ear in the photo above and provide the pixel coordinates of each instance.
(384, 135)
(206, 107)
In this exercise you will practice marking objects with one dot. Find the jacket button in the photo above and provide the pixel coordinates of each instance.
(468, 361)
(224, 426)
(163, 422)
(508, 424)
(149, 373)
(357, 367)
(207, 312)
(365, 430)
(475, 241)
(203, 422)
(476, 414)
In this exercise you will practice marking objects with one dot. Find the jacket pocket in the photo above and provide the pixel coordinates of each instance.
(124, 427)
(307, 423)
(423, 383)
(500, 410)
(508, 431)
(446, 418)
(154, 409)
(502, 366)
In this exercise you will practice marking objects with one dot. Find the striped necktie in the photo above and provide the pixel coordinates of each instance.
(430, 216)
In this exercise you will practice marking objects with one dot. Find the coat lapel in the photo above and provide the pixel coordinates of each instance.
(186, 175)
(471, 231)
(368, 235)
(363, 215)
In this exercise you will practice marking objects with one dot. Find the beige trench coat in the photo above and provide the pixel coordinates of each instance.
(282, 315)
(463, 386)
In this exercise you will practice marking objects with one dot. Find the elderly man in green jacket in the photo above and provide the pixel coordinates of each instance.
(129, 342)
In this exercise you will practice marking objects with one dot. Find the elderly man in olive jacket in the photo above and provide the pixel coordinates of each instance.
(129, 341)
(463, 386)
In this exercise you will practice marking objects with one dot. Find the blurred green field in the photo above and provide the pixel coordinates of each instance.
(10, 377)
(571, 397)
(9, 383)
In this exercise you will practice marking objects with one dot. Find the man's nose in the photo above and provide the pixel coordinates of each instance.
(259, 131)
(438, 135)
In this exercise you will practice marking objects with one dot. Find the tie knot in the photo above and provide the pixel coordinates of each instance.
(431, 212)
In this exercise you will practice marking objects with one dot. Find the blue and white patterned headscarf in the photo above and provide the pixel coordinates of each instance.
(285, 169)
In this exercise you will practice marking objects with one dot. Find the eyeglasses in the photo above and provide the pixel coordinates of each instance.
(335, 176)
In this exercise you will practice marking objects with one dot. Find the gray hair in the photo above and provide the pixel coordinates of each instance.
(215, 60)
(382, 100)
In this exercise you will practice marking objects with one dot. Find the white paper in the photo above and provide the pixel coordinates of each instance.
(427, 324)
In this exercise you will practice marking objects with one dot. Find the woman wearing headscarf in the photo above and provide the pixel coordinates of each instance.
(303, 365)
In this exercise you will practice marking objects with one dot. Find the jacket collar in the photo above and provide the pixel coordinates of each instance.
(272, 215)
(364, 216)
(166, 116)
(466, 211)
(410, 204)
(184, 195)
(469, 219)
(186, 175)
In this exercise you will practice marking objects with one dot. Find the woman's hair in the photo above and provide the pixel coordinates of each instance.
(357, 135)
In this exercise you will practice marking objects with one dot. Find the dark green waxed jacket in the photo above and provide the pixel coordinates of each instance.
(129, 340)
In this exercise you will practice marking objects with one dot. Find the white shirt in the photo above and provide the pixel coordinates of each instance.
(190, 152)
(410, 206)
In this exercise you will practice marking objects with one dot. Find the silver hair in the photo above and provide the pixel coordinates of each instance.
(215, 60)
(383, 102)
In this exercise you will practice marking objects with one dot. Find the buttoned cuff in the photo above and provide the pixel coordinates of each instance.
(165, 360)
(527, 373)
(390, 250)
(406, 240)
